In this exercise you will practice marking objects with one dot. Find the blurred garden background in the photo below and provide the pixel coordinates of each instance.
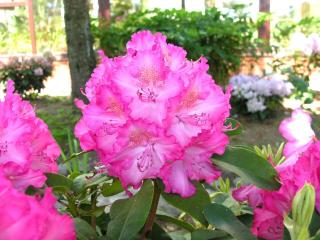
(268, 50)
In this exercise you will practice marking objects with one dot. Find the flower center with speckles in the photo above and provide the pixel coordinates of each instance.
(3, 147)
(145, 160)
(200, 120)
(147, 95)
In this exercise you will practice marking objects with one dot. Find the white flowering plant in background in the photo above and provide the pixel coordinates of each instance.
(258, 95)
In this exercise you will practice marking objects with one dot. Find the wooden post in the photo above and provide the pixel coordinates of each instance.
(28, 5)
(31, 27)
(264, 30)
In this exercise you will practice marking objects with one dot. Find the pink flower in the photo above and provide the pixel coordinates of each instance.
(249, 193)
(298, 133)
(30, 218)
(152, 113)
(267, 224)
(27, 149)
(307, 170)
(302, 165)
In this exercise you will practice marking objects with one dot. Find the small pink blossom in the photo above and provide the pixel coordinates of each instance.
(298, 133)
(27, 149)
(29, 218)
(153, 113)
(38, 71)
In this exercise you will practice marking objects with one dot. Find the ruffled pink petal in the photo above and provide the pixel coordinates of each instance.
(249, 193)
(267, 225)
(175, 179)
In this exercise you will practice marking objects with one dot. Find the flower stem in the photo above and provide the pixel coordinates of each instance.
(152, 214)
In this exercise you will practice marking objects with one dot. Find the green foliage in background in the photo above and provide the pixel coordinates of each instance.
(49, 28)
(286, 26)
(223, 39)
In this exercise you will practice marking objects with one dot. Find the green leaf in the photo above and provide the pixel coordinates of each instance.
(223, 218)
(84, 230)
(249, 166)
(315, 223)
(204, 234)
(59, 181)
(158, 233)
(96, 180)
(128, 216)
(79, 183)
(235, 127)
(87, 180)
(193, 205)
(176, 221)
(316, 237)
(110, 189)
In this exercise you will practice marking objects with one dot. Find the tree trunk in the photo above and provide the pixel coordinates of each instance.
(183, 4)
(80, 44)
(104, 13)
(264, 30)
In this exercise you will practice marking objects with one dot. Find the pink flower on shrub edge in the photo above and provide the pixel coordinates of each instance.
(298, 133)
(303, 166)
(27, 149)
(153, 113)
(29, 218)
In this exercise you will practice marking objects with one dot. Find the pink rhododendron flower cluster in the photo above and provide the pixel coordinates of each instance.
(27, 151)
(302, 165)
(29, 218)
(154, 114)
(27, 148)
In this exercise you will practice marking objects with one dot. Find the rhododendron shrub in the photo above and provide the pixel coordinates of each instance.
(160, 127)
(154, 114)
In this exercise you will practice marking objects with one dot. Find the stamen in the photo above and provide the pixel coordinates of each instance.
(147, 95)
(145, 160)
(3, 148)
(200, 120)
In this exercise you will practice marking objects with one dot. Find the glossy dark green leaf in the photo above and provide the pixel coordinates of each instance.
(223, 218)
(158, 233)
(249, 166)
(110, 189)
(316, 237)
(193, 205)
(128, 216)
(246, 219)
(204, 234)
(314, 226)
(83, 230)
(234, 127)
(175, 221)
(59, 181)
